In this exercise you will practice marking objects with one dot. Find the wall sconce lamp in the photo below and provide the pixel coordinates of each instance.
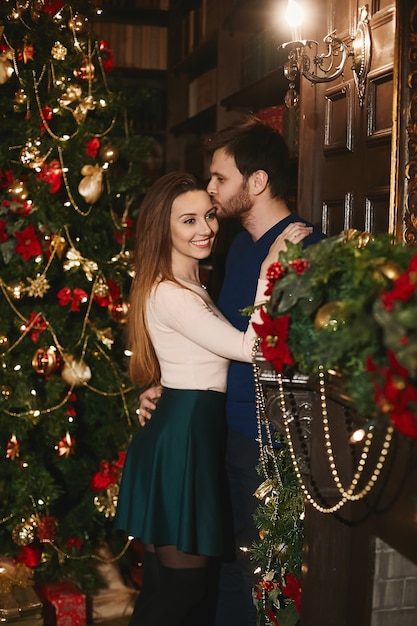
(325, 67)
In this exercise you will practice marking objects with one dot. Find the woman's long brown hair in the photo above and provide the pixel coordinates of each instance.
(152, 259)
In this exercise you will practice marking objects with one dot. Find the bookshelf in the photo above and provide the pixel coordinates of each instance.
(223, 61)
(137, 32)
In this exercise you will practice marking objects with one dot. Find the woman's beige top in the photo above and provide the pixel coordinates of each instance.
(193, 341)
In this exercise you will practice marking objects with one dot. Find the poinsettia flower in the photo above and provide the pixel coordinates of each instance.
(395, 396)
(3, 232)
(292, 589)
(274, 335)
(28, 243)
(404, 286)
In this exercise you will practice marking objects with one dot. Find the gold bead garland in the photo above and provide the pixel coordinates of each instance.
(261, 419)
(347, 495)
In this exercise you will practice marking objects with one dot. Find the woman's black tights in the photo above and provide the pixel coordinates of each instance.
(173, 584)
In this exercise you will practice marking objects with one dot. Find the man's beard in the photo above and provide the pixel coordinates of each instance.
(238, 205)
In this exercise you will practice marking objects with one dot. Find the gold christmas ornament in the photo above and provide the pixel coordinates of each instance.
(91, 186)
(108, 153)
(328, 316)
(23, 534)
(390, 270)
(18, 190)
(59, 51)
(119, 311)
(75, 373)
(362, 238)
(45, 360)
(16, 289)
(21, 96)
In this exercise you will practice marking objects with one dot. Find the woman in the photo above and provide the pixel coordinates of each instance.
(173, 491)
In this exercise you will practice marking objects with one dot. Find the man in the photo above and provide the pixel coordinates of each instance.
(249, 174)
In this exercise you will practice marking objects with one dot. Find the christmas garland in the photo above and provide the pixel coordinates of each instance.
(346, 305)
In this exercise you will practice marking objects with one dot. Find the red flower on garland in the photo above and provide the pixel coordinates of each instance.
(274, 335)
(395, 397)
(3, 232)
(92, 148)
(52, 174)
(28, 244)
(292, 589)
(403, 288)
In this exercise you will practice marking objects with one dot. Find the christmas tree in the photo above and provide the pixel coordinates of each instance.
(71, 180)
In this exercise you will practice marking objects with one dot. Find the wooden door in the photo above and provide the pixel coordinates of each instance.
(346, 147)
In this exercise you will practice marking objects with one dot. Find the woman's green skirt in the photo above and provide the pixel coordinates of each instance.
(174, 487)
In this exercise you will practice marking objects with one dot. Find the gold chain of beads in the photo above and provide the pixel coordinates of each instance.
(261, 419)
(347, 495)
(94, 557)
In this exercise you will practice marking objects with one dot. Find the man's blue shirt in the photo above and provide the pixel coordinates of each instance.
(243, 265)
